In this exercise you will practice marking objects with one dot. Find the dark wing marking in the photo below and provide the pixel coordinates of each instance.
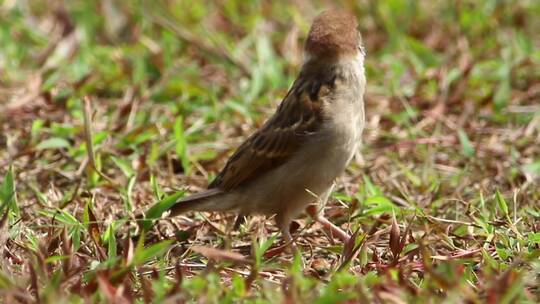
(298, 116)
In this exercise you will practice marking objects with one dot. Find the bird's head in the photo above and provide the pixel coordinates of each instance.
(334, 34)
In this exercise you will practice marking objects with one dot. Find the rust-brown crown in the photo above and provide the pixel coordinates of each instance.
(333, 33)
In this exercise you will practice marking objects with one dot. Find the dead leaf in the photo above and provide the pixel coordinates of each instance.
(221, 255)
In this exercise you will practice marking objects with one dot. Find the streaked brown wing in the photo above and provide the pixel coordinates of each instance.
(298, 116)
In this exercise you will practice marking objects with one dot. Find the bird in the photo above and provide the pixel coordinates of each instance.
(291, 162)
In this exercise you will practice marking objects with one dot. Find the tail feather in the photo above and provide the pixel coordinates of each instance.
(202, 201)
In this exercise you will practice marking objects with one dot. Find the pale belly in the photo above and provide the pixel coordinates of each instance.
(306, 178)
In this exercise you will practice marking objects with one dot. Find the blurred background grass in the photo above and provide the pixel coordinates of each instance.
(452, 139)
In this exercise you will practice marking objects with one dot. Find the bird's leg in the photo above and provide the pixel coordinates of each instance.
(329, 226)
(286, 231)
(284, 225)
(334, 230)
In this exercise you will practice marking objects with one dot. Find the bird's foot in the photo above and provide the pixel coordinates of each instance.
(334, 230)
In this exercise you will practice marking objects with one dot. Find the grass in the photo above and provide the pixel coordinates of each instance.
(443, 203)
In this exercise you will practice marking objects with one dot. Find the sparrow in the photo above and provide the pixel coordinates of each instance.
(294, 158)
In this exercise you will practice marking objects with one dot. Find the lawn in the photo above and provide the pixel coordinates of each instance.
(110, 109)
